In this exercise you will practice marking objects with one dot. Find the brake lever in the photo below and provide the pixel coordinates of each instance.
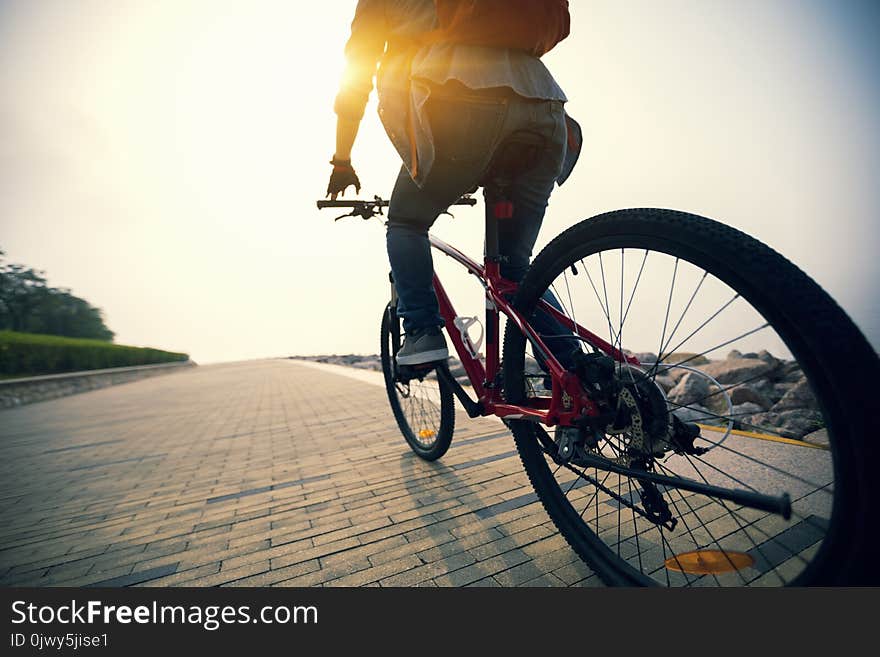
(343, 216)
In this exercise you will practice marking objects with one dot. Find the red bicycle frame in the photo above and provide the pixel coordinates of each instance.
(569, 401)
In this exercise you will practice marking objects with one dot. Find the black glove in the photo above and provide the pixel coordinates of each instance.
(343, 175)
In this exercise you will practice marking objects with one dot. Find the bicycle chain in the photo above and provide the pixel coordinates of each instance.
(603, 488)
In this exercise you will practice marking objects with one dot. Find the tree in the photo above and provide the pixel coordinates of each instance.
(29, 305)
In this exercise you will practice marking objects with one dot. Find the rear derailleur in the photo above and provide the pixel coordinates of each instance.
(656, 508)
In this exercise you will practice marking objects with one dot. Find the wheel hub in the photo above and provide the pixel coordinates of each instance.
(642, 417)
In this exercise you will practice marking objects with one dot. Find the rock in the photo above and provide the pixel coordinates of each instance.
(749, 354)
(716, 402)
(737, 370)
(693, 414)
(665, 382)
(749, 394)
(779, 391)
(790, 372)
(767, 357)
(675, 373)
(798, 396)
(646, 357)
(734, 354)
(743, 411)
(764, 386)
(789, 424)
(680, 356)
(371, 363)
(691, 388)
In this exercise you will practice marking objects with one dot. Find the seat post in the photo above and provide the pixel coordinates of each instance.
(517, 154)
(491, 249)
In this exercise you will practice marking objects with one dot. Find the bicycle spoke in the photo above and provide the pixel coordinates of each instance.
(663, 546)
(611, 339)
(738, 519)
(635, 527)
(681, 318)
(565, 310)
(730, 513)
(709, 415)
(707, 530)
(790, 475)
(683, 517)
(660, 357)
(666, 318)
(706, 414)
(632, 296)
(755, 511)
(620, 328)
(733, 386)
(715, 348)
(595, 290)
(595, 494)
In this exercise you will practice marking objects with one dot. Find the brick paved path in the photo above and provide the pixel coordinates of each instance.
(262, 473)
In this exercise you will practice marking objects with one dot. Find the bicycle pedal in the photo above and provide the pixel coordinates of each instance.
(419, 371)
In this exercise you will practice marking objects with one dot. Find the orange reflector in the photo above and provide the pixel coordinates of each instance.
(709, 562)
(427, 433)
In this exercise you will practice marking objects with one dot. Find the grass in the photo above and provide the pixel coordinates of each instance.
(32, 354)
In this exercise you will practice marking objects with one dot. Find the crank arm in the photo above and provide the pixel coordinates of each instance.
(780, 505)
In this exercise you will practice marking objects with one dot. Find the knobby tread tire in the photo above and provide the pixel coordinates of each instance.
(839, 362)
(447, 402)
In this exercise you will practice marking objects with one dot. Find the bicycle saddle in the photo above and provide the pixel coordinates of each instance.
(517, 154)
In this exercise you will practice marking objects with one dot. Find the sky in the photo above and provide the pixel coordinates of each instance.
(162, 159)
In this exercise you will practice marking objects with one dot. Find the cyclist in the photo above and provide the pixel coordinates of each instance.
(450, 92)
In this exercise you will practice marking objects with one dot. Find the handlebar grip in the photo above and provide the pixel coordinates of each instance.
(340, 204)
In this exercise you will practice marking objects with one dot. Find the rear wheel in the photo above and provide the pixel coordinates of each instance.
(422, 405)
(785, 412)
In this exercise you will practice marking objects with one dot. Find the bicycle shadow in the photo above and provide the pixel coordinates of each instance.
(460, 536)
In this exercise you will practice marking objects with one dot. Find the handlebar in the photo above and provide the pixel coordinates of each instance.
(368, 209)
(380, 202)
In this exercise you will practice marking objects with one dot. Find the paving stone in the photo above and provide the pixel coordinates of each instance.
(376, 573)
(546, 580)
(486, 582)
(181, 577)
(573, 572)
(481, 569)
(229, 575)
(249, 474)
(275, 575)
(429, 571)
(137, 577)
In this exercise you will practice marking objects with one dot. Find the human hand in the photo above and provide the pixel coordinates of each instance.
(343, 175)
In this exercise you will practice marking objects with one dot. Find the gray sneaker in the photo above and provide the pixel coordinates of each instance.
(423, 346)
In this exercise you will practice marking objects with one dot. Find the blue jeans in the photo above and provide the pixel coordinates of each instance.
(467, 129)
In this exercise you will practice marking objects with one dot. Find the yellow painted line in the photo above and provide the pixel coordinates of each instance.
(763, 436)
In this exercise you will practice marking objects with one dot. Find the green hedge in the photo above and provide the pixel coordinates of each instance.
(24, 354)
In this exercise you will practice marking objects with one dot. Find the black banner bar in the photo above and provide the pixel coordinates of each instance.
(262, 621)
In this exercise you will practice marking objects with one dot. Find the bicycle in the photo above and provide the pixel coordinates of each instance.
(657, 472)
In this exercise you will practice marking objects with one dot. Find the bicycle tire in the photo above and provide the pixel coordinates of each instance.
(437, 420)
(833, 354)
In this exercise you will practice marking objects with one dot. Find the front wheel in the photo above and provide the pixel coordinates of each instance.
(749, 378)
(422, 404)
